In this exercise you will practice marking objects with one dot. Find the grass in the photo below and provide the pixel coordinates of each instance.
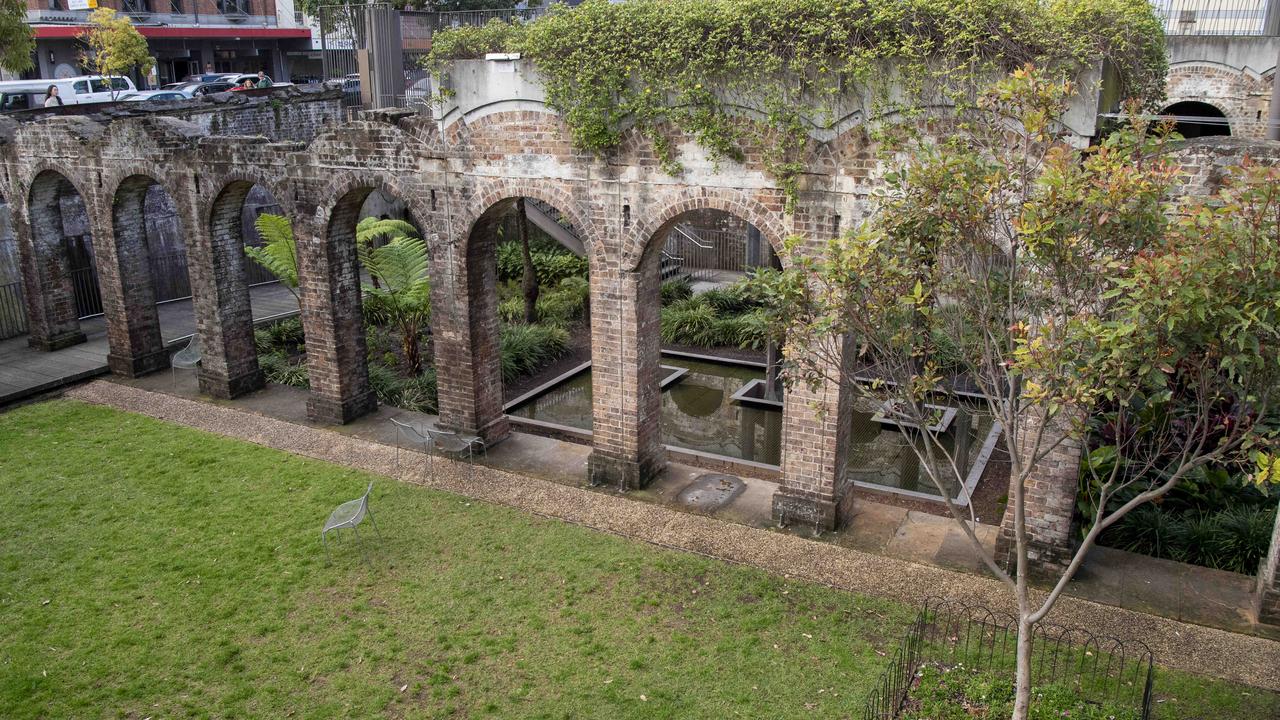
(148, 570)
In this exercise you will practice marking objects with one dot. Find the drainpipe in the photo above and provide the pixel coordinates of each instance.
(1271, 27)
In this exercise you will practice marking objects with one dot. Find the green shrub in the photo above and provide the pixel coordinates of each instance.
(731, 299)
(675, 289)
(276, 368)
(1243, 535)
(525, 348)
(565, 303)
(1148, 530)
(550, 263)
(690, 322)
(750, 330)
(280, 336)
(417, 394)
(1234, 539)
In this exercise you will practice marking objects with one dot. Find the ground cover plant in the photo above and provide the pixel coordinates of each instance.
(726, 316)
(957, 693)
(152, 570)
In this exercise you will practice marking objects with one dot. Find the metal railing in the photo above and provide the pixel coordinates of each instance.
(233, 16)
(169, 277)
(13, 314)
(85, 290)
(954, 635)
(461, 18)
(704, 253)
(1219, 17)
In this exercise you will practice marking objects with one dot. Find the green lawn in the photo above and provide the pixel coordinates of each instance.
(148, 570)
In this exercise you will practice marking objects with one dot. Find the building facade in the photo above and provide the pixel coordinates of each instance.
(184, 35)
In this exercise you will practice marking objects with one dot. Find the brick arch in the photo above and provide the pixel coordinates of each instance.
(341, 188)
(53, 320)
(128, 292)
(553, 192)
(211, 188)
(1241, 95)
(661, 215)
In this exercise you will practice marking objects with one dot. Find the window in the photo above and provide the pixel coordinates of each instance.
(233, 7)
(56, 5)
(175, 7)
(81, 87)
(133, 7)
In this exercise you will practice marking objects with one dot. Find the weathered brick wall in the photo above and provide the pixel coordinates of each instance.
(1050, 497)
(453, 181)
(1205, 161)
(1243, 96)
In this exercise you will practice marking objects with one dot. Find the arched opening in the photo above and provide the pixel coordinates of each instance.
(728, 401)
(525, 320)
(232, 294)
(368, 332)
(64, 288)
(1197, 119)
(148, 265)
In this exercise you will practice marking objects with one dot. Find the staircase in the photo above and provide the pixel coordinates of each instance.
(550, 221)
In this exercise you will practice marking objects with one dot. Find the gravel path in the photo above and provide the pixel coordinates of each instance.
(1243, 658)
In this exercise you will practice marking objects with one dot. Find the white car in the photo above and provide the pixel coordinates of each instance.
(156, 96)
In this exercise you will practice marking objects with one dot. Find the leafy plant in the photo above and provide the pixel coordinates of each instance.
(17, 41)
(403, 295)
(278, 253)
(551, 263)
(525, 348)
(690, 322)
(277, 368)
(675, 289)
(114, 46)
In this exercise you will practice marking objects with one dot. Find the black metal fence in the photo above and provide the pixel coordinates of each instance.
(13, 316)
(1219, 17)
(952, 634)
(85, 290)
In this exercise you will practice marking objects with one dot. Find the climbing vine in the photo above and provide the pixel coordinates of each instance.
(693, 65)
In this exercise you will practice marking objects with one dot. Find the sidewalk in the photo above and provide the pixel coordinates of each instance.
(274, 418)
(25, 372)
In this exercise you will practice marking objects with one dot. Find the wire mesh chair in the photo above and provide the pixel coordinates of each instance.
(408, 433)
(349, 515)
(188, 358)
(451, 444)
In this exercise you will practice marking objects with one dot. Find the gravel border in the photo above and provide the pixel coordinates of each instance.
(1242, 658)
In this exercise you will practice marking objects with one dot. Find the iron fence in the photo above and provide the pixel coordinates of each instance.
(85, 290)
(169, 277)
(1219, 17)
(952, 634)
(13, 314)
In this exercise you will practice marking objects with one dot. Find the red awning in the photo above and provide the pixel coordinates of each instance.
(73, 31)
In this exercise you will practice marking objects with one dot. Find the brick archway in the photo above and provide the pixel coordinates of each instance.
(51, 284)
(666, 212)
(129, 298)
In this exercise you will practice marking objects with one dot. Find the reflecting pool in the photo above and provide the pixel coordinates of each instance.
(700, 414)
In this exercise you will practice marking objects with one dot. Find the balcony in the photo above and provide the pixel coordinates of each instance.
(234, 15)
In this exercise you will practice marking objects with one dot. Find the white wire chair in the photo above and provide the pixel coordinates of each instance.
(451, 444)
(408, 433)
(348, 516)
(188, 358)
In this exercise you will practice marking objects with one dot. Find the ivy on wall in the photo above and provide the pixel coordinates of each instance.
(689, 64)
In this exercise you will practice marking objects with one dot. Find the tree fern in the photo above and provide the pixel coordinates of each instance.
(402, 293)
(279, 252)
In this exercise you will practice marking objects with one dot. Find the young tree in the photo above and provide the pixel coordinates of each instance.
(114, 46)
(17, 42)
(1064, 288)
(279, 251)
(529, 280)
(403, 295)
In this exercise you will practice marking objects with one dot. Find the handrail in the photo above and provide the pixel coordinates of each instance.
(691, 238)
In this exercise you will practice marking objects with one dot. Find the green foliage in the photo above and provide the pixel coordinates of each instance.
(279, 369)
(113, 45)
(1234, 539)
(690, 322)
(17, 41)
(371, 229)
(690, 64)
(279, 252)
(402, 297)
(417, 394)
(561, 305)
(962, 694)
(729, 316)
(283, 336)
(525, 348)
(676, 289)
(550, 263)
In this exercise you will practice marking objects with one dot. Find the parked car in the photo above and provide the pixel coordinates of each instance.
(29, 94)
(199, 89)
(156, 96)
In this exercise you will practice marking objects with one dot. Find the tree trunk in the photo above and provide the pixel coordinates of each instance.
(409, 344)
(1022, 685)
(530, 281)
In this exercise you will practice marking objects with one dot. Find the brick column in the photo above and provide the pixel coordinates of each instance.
(128, 297)
(815, 439)
(1050, 504)
(220, 299)
(1267, 600)
(52, 320)
(333, 319)
(464, 328)
(627, 450)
